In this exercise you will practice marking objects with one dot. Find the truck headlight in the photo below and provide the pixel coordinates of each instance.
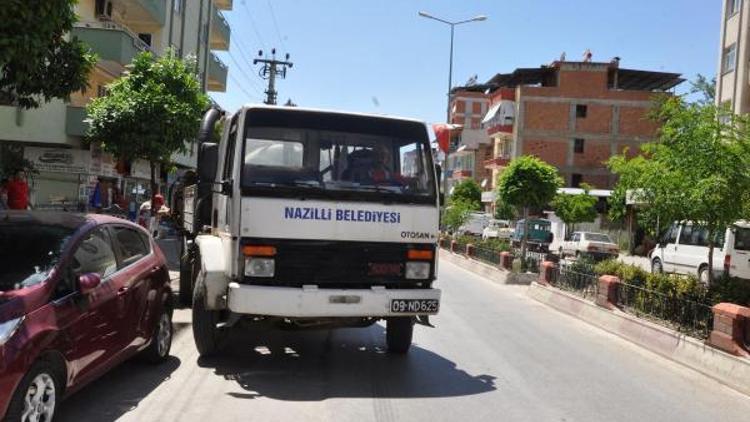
(259, 267)
(8, 328)
(418, 270)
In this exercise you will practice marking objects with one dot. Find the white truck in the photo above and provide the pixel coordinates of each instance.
(311, 218)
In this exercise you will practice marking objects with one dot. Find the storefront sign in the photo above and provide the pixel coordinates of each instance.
(58, 160)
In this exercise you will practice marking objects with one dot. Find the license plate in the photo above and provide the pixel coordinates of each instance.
(414, 306)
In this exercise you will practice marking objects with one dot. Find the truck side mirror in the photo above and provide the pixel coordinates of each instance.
(208, 158)
(226, 187)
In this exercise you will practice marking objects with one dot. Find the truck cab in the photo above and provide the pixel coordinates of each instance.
(312, 218)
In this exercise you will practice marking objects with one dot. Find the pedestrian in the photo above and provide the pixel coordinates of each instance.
(18, 191)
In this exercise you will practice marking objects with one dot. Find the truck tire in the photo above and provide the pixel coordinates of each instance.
(398, 334)
(186, 275)
(205, 333)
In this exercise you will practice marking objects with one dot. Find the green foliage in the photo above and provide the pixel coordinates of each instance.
(574, 209)
(733, 290)
(705, 87)
(528, 182)
(150, 112)
(631, 274)
(504, 211)
(468, 192)
(456, 214)
(697, 169)
(37, 62)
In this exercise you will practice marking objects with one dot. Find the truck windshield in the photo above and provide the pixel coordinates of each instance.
(334, 161)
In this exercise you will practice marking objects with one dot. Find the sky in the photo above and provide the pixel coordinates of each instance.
(381, 57)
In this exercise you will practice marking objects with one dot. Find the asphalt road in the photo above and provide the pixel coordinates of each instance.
(495, 355)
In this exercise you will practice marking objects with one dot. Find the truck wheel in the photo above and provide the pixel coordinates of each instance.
(205, 333)
(398, 334)
(187, 264)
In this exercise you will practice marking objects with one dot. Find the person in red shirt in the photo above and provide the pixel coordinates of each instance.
(18, 192)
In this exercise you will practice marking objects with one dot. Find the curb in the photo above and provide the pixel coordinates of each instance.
(692, 353)
(493, 273)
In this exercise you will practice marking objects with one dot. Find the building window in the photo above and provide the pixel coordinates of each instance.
(581, 110)
(578, 146)
(101, 91)
(575, 180)
(730, 57)
(733, 6)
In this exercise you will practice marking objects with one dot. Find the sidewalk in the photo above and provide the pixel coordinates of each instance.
(640, 261)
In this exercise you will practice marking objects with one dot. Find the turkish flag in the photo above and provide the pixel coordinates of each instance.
(443, 134)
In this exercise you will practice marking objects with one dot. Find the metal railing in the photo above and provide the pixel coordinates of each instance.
(533, 259)
(487, 255)
(688, 316)
(577, 280)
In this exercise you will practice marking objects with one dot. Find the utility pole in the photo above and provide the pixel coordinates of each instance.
(270, 70)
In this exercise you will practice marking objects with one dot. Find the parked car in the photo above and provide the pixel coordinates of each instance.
(684, 250)
(595, 245)
(497, 229)
(475, 224)
(79, 294)
(540, 234)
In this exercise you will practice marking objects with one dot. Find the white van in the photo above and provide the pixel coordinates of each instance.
(684, 250)
(475, 224)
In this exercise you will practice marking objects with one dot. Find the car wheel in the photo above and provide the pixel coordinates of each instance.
(703, 275)
(205, 333)
(37, 396)
(398, 334)
(187, 269)
(161, 340)
(656, 267)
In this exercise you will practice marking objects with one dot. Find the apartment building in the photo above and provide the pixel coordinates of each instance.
(469, 143)
(733, 79)
(573, 115)
(116, 30)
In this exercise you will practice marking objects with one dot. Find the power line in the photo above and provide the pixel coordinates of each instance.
(242, 88)
(275, 24)
(242, 72)
(247, 61)
(253, 24)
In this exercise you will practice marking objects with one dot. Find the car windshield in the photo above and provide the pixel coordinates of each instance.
(339, 162)
(597, 237)
(29, 253)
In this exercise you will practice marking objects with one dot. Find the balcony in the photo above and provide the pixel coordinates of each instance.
(220, 32)
(217, 74)
(113, 44)
(74, 124)
(460, 174)
(499, 129)
(144, 14)
(497, 163)
(223, 4)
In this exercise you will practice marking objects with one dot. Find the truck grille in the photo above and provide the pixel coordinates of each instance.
(339, 264)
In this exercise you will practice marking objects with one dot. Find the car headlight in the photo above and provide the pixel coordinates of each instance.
(418, 270)
(259, 267)
(8, 328)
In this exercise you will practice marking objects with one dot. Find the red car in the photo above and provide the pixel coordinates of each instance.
(78, 295)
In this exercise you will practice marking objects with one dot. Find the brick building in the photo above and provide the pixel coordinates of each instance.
(573, 115)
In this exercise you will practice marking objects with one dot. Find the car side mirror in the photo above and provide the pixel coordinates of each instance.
(88, 282)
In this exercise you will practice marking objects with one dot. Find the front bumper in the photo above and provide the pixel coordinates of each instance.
(312, 302)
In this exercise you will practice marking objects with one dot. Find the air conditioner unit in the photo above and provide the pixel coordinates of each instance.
(103, 9)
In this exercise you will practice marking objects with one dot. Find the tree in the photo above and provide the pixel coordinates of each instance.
(707, 88)
(456, 214)
(150, 112)
(468, 191)
(575, 208)
(504, 211)
(528, 182)
(696, 170)
(37, 62)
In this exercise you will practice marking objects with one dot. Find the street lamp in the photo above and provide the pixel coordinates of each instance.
(478, 18)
